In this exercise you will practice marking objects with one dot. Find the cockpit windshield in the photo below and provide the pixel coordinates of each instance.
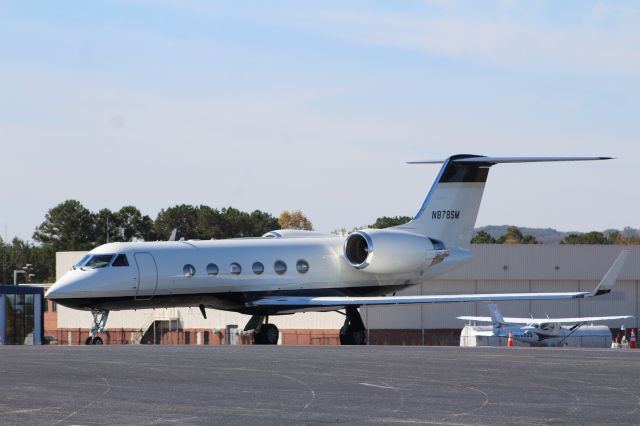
(99, 261)
(80, 262)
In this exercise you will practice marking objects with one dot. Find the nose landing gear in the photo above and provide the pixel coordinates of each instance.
(99, 322)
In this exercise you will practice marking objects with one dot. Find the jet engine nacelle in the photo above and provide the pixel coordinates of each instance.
(387, 251)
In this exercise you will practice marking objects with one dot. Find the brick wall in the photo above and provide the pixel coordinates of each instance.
(50, 319)
(78, 336)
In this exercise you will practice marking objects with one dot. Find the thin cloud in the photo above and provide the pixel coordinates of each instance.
(604, 39)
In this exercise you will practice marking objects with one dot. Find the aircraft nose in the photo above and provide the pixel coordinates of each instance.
(68, 286)
(56, 291)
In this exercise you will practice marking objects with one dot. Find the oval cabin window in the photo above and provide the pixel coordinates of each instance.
(302, 266)
(280, 267)
(235, 268)
(212, 269)
(258, 268)
(189, 270)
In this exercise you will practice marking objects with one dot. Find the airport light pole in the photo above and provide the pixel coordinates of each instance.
(16, 272)
(26, 270)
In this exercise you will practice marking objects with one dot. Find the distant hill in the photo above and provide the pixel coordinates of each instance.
(548, 235)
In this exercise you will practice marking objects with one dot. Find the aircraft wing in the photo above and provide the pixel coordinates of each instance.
(507, 320)
(342, 301)
(297, 302)
(578, 320)
(527, 321)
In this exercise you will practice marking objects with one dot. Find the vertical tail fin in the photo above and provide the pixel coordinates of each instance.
(450, 210)
(496, 318)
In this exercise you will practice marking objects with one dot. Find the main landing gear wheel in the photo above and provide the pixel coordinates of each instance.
(263, 332)
(353, 331)
(350, 336)
(268, 335)
(93, 341)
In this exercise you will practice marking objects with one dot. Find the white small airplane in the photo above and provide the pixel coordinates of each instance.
(288, 271)
(548, 331)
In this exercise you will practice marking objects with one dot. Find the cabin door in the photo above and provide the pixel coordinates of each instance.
(147, 276)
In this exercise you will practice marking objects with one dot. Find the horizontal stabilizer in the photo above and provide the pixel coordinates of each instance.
(476, 319)
(498, 160)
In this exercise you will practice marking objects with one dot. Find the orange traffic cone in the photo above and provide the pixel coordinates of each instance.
(510, 340)
(632, 340)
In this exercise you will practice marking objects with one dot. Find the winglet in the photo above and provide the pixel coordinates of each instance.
(172, 237)
(609, 279)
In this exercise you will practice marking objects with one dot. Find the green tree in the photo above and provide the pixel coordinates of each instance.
(593, 237)
(183, 217)
(105, 226)
(203, 222)
(208, 223)
(294, 220)
(617, 237)
(68, 226)
(132, 225)
(387, 221)
(263, 222)
(483, 237)
(17, 254)
(233, 224)
(236, 223)
(514, 236)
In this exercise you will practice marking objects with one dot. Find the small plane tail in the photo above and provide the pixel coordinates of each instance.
(449, 212)
(496, 318)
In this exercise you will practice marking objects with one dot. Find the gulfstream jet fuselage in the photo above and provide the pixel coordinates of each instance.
(288, 271)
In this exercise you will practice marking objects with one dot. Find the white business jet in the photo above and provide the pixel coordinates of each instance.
(549, 331)
(288, 271)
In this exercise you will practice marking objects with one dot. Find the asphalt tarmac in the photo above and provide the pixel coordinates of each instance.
(317, 384)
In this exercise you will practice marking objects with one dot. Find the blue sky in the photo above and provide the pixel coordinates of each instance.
(316, 105)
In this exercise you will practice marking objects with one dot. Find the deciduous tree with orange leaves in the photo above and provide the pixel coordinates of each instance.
(294, 220)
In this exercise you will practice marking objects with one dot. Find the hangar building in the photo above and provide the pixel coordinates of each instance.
(495, 268)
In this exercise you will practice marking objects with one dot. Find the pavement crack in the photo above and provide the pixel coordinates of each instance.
(84, 407)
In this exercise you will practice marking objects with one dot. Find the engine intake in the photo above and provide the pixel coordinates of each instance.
(357, 249)
(385, 251)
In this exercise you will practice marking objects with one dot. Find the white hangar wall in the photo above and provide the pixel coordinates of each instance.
(495, 268)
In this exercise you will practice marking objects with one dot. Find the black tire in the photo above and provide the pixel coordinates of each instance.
(89, 341)
(345, 336)
(270, 333)
(97, 341)
(359, 337)
(350, 336)
(258, 338)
